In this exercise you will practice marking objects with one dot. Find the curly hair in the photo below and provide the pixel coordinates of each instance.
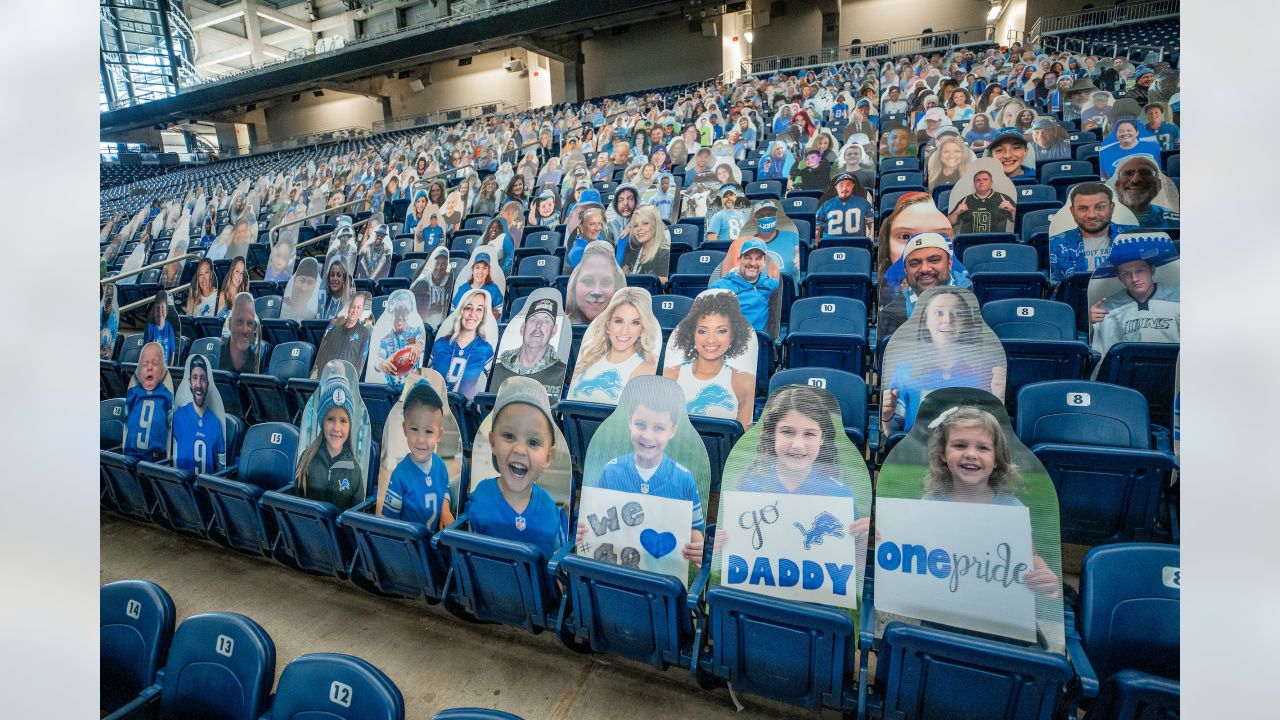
(939, 481)
(723, 303)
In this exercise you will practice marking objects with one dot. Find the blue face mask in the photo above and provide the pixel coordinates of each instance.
(767, 224)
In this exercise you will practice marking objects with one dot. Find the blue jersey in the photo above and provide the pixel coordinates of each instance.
(416, 496)
(817, 483)
(839, 112)
(198, 442)
(1159, 217)
(495, 295)
(461, 367)
(753, 298)
(844, 218)
(147, 428)
(432, 236)
(1068, 254)
(393, 343)
(165, 337)
(726, 224)
(669, 480)
(541, 524)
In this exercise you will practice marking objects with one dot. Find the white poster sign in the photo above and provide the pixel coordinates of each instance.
(795, 547)
(636, 531)
(958, 564)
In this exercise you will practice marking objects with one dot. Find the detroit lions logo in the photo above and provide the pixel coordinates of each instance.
(823, 525)
(607, 383)
(712, 396)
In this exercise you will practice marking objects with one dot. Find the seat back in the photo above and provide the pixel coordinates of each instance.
(220, 666)
(829, 315)
(267, 455)
(210, 348)
(1149, 368)
(129, 348)
(547, 240)
(670, 309)
(1028, 319)
(898, 181)
(111, 422)
(800, 205)
(499, 580)
(546, 267)
(135, 628)
(268, 307)
(840, 260)
(393, 556)
(761, 189)
(1129, 602)
(1063, 169)
(1080, 412)
(580, 420)
(335, 686)
(926, 673)
(1000, 257)
(1134, 695)
(701, 262)
(291, 360)
(408, 269)
(899, 164)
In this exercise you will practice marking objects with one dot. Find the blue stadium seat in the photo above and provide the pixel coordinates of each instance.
(839, 271)
(268, 399)
(534, 272)
(407, 269)
(220, 665)
(1135, 695)
(579, 421)
(475, 223)
(379, 304)
(684, 237)
(763, 189)
(111, 423)
(540, 242)
(800, 207)
(926, 672)
(331, 686)
(1062, 174)
(277, 331)
(463, 243)
(902, 182)
(964, 241)
(1095, 441)
(394, 557)
(312, 331)
(474, 713)
(670, 310)
(210, 348)
(135, 628)
(827, 331)
(849, 390)
(208, 327)
(719, 436)
(693, 273)
(179, 505)
(310, 536)
(1173, 166)
(266, 462)
(793, 652)
(649, 283)
(899, 164)
(1149, 368)
(378, 399)
(1001, 271)
(123, 492)
(496, 580)
(268, 306)
(1040, 343)
(1074, 291)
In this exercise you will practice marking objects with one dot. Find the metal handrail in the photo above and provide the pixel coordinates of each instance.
(144, 268)
(1103, 17)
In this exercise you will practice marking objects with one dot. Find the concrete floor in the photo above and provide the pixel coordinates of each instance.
(436, 660)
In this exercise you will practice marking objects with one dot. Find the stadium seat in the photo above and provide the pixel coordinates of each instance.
(394, 557)
(220, 665)
(135, 628)
(800, 206)
(268, 399)
(1173, 166)
(461, 244)
(693, 273)
(1135, 695)
(210, 348)
(312, 331)
(379, 304)
(902, 182)
(924, 672)
(123, 492)
(684, 238)
(111, 423)
(541, 242)
(496, 580)
(670, 310)
(1001, 271)
(764, 190)
(839, 271)
(1040, 343)
(827, 331)
(1062, 174)
(266, 462)
(964, 241)
(475, 223)
(267, 306)
(849, 390)
(1074, 291)
(277, 331)
(331, 686)
(534, 272)
(1095, 441)
(474, 714)
(649, 283)
(898, 165)
(179, 505)
(1149, 368)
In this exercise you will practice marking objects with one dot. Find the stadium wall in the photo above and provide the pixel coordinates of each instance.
(648, 56)
(881, 19)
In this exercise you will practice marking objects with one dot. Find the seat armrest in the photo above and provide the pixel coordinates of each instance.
(135, 707)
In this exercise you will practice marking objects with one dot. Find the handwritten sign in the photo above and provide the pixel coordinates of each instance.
(795, 547)
(637, 531)
(959, 564)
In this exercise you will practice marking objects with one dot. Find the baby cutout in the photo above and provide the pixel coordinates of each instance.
(962, 483)
(646, 482)
(148, 402)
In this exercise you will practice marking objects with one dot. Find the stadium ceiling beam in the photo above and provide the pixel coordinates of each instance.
(367, 88)
(238, 51)
(565, 51)
(216, 15)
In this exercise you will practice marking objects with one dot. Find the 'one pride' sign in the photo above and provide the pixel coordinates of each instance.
(795, 547)
(959, 564)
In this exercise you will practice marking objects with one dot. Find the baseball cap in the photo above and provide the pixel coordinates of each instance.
(481, 257)
(521, 389)
(1042, 123)
(841, 178)
(752, 244)
(1009, 134)
(927, 240)
(547, 194)
(542, 305)
(726, 189)
(590, 195)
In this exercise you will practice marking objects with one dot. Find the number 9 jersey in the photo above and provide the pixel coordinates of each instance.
(147, 429)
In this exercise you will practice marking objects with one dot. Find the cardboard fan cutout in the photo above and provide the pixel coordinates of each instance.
(712, 355)
(482, 271)
(420, 469)
(1135, 293)
(433, 288)
(927, 261)
(334, 437)
(199, 421)
(521, 479)
(301, 294)
(644, 247)
(283, 253)
(171, 274)
(967, 526)
(983, 200)
(398, 344)
(585, 223)
(949, 161)
(770, 223)
(347, 337)
(1082, 232)
(795, 504)
(148, 402)
(944, 344)
(646, 484)
(621, 344)
(536, 344)
(242, 346)
(465, 345)
(163, 325)
(1148, 193)
(1127, 136)
(592, 283)
(108, 322)
(375, 260)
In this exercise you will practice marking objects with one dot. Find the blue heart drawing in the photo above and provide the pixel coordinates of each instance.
(657, 544)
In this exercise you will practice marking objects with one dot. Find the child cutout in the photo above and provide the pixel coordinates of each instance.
(335, 437)
(199, 441)
(512, 505)
(648, 447)
(108, 323)
(712, 356)
(395, 446)
(147, 404)
(419, 487)
(621, 344)
(162, 326)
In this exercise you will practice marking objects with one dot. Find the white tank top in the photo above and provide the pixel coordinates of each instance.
(713, 397)
(603, 381)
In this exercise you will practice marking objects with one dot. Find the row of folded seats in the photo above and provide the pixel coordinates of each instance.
(1122, 631)
(223, 665)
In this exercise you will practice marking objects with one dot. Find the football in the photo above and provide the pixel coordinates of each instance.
(404, 360)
